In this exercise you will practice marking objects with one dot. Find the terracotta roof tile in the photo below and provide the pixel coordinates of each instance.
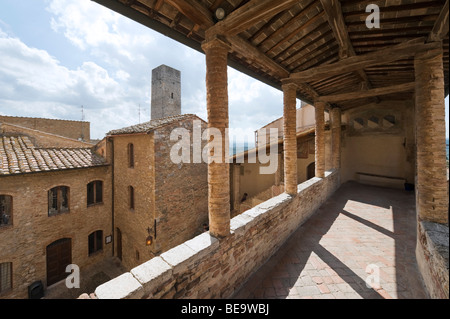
(151, 125)
(18, 155)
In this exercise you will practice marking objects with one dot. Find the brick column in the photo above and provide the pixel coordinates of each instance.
(336, 137)
(290, 138)
(320, 138)
(216, 52)
(431, 182)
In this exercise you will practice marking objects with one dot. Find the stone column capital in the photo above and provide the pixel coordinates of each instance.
(286, 86)
(217, 41)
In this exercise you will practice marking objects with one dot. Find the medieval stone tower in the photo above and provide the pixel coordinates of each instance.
(166, 92)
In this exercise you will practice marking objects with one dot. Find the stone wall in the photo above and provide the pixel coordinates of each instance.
(432, 258)
(205, 267)
(133, 223)
(166, 92)
(379, 140)
(24, 242)
(43, 139)
(70, 129)
(181, 189)
(171, 197)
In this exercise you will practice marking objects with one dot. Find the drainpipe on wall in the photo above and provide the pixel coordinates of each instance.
(112, 195)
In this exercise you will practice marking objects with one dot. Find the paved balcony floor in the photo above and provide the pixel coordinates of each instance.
(359, 244)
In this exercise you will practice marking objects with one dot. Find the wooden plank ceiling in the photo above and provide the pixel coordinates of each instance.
(323, 46)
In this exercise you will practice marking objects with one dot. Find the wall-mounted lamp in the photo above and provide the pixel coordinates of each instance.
(220, 14)
(149, 240)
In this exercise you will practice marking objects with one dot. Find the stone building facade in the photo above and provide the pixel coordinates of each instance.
(153, 196)
(48, 213)
(64, 200)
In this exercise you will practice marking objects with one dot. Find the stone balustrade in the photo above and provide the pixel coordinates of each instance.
(206, 267)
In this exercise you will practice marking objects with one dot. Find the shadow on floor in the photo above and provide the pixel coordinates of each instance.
(361, 233)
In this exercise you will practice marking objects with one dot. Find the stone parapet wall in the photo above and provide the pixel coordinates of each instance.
(43, 139)
(205, 267)
(70, 129)
(432, 258)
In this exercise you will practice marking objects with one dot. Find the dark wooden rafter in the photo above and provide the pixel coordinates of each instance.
(440, 29)
(215, 5)
(193, 10)
(336, 20)
(248, 15)
(351, 64)
(368, 93)
(242, 46)
(314, 34)
(294, 20)
(300, 31)
(322, 46)
(158, 5)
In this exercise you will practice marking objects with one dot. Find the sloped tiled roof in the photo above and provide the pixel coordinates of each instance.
(18, 155)
(150, 125)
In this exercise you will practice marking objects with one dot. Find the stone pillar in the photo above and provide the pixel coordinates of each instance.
(431, 180)
(216, 51)
(336, 137)
(320, 138)
(290, 138)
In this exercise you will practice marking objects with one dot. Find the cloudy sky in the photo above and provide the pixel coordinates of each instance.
(59, 55)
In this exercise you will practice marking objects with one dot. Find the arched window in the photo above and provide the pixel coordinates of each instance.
(131, 197)
(94, 193)
(131, 155)
(5, 210)
(58, 200)
(95, 242)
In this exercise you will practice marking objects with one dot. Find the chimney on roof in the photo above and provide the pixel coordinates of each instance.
(166, 92)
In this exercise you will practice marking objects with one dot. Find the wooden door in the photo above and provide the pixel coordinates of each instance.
(59, 255)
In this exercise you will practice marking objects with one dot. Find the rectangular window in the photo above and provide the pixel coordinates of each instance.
(58, 200)
(5, 210)
(131, 191)
(91, 193)
(131, 155)
(5, 277)
(99, 192)
(94, 193)
(95, 241)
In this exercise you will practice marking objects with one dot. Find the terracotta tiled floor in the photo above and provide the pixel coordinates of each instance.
(361, 231)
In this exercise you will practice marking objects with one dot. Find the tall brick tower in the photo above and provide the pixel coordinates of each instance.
(166, 92)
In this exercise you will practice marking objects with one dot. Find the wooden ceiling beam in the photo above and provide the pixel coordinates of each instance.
(333, 10)
(336, 20)
(248, 15)
(397, 52)
(194, 11)
(368, 93)
(246, 49)
(158, 5)
(440, 29)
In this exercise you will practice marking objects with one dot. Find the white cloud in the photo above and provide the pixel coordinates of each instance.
(114, 75)
(32, 81)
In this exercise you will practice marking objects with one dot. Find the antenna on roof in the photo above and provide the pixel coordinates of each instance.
(82, 113)
(82, 119)
(139, 113)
